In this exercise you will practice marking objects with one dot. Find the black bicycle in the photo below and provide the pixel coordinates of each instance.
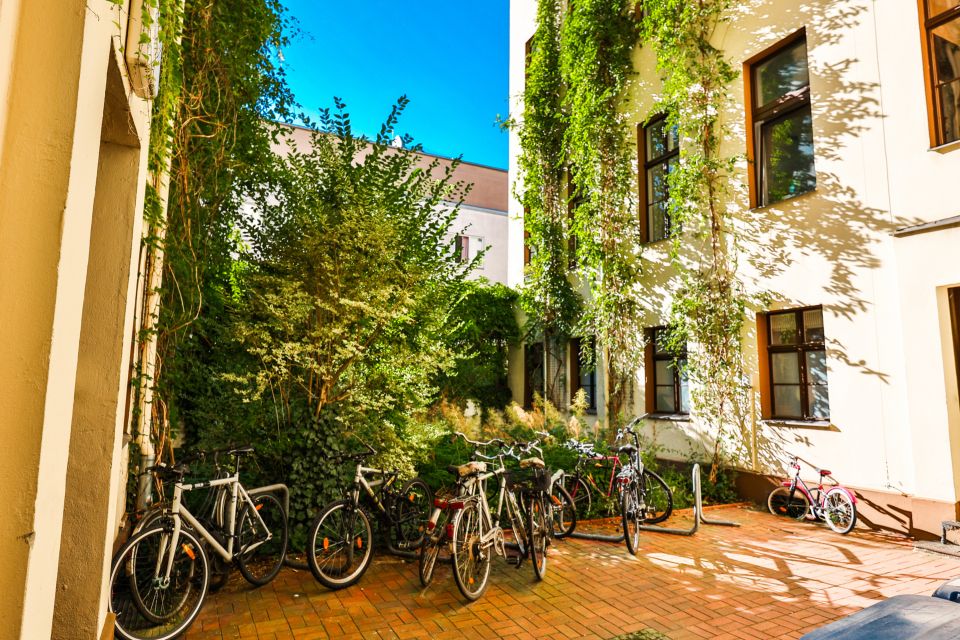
(644, 496)
(340, 541)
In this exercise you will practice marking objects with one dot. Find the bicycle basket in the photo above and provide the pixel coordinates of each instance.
(528, 480)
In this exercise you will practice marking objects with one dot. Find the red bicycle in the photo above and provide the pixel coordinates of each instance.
(837, 505)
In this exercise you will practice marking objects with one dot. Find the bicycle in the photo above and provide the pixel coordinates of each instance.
(644, 496)
(836, 505)
(340, 540)
(160, 577)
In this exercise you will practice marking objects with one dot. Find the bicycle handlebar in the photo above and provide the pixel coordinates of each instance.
(489, 443)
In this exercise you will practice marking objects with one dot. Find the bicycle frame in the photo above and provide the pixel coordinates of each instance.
(387, 478)
(816, 504)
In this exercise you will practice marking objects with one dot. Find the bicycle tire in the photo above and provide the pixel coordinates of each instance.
(838, 502)
(430, 549)
(471, 562)
(538, 533)
(631, 517)
(345, 537)
(129, 605)
(412, 513)
(657, 497)
(579, 490)
(564, 511)
(262, 564)
(780, 503)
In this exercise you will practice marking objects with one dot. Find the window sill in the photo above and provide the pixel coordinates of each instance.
(669, 417)
(820, 425)
(946, 148)
(761, 208)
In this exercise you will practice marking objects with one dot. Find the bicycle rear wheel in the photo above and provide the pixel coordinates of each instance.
(413, 511)
(262, 550)
(340, 545)
(538, 533)
(149, 604)
(564, 510)
(580, 492)
(631, 515)
(781, 503)
(471, 559)
(431, 547)
(657, 497)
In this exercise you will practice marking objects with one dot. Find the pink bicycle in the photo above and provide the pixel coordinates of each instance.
(835, 504)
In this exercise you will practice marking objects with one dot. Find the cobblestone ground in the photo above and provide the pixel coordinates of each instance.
(769, 578)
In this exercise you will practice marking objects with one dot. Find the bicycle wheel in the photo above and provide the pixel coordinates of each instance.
(657, 497)
(149, 604)
(413, 511)
(339, 545)
(781, 503)
(430, 549)
(471, 559)
(580, 492)
(538, 533)
(262, 545)
(631, 515)
(564, 511)
(839, 511)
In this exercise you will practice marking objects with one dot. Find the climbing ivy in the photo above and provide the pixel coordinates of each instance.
(709, 303)
(597, 42)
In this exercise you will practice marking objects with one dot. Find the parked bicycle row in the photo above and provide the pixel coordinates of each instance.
(502, 501)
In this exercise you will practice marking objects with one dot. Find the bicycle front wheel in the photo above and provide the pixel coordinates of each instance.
(657, 497)
(631, 515)
(839, 511)
(340, 545)
(538, 533)
(157, 585)
(471, 558)
(564, 516)
(262, 539)
(781, 503)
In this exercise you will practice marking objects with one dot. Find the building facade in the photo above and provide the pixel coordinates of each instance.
(73, 169)
(846, 117)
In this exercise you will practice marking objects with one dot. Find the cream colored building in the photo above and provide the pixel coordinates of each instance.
(73, 142)
(858, 234)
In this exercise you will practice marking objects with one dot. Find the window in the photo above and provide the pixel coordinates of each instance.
(533, 372)
(584, 376)
(797, 365)
(780, 122)
(467, 248)
(668, 390)
(941, 52)
(659, 153)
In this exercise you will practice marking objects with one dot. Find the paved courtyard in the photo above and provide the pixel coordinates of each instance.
(769, 578)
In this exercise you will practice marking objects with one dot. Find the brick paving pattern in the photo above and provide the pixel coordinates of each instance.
(769, 578)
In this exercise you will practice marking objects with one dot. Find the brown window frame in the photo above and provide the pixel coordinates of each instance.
(646, 164)
(462, 248)
(576, 369)
(757, 117)
(768, 384)
(927, 24)
(652, 356)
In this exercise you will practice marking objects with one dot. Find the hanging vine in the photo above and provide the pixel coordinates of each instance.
(548, 298)
(708, 306)
(597, 42)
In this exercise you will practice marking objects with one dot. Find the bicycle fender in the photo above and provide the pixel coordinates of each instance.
(852, 496)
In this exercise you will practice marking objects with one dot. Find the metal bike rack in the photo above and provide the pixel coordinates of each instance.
(698, 519)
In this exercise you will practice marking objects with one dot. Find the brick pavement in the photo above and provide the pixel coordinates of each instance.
(770, 578)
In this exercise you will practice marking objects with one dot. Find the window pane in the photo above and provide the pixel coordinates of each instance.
(816, 367)
(657, 187)
(684, 389)
(658, 221)
(664, 372)
(786, 146)
(950, 111)
(786, 368)
(783, 329)
(665, 399)
(781, 74)
(661, 140)
(818, 399)
(946, 50)
(813, 325)
(936, 7)
(786, 401)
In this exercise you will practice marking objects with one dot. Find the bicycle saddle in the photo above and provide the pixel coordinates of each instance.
(468, 469)
(237, 451)
(627, 448)
(532, 463)
(824, 472)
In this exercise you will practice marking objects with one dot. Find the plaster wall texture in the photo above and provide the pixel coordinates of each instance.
(893, 414)
(54, 62)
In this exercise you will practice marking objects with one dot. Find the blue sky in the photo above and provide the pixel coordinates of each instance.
(448, 56)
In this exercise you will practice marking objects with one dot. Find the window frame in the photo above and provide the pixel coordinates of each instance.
(652, 357)
(927, 24)
(645, 165)
(801, 349)
(757, 117)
